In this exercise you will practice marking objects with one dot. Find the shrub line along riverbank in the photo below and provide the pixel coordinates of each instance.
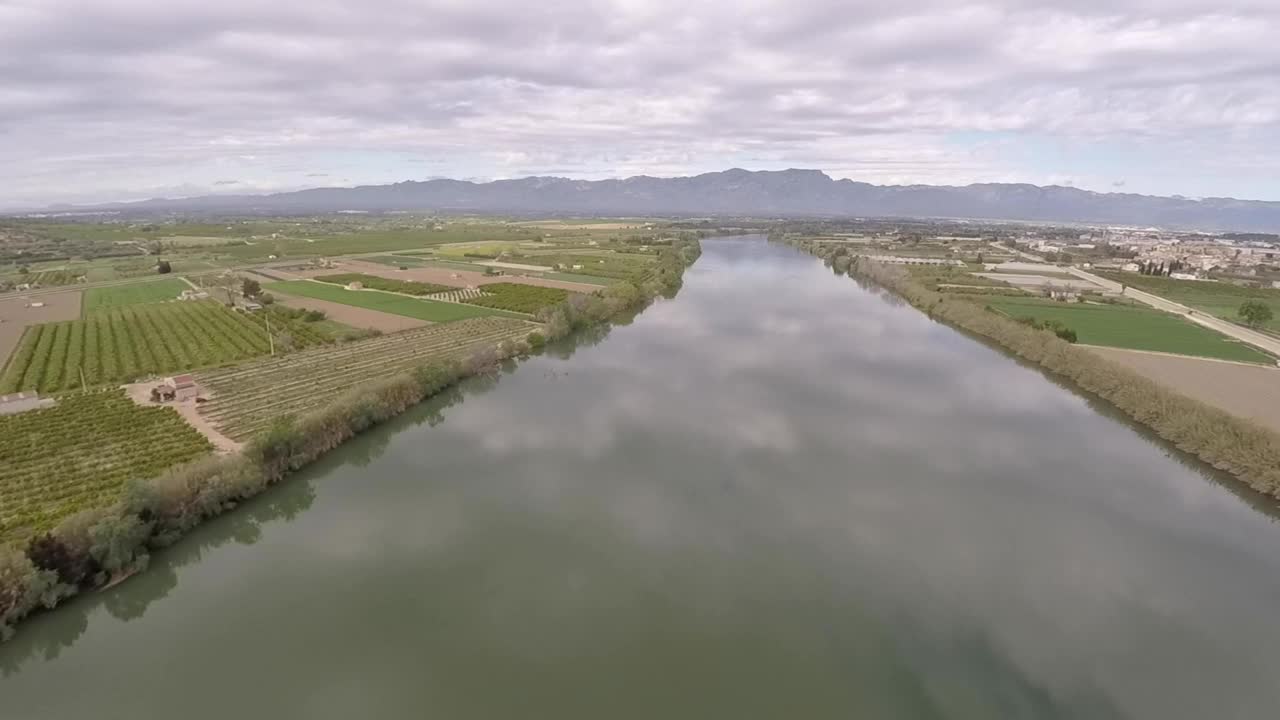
(98, 547)
(1238, 446)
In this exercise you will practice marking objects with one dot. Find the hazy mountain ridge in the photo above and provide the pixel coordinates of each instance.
(760, 193)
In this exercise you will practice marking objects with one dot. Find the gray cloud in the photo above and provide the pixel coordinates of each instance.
(873, 90)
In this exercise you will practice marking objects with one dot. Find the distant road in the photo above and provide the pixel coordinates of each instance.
(1243, 334)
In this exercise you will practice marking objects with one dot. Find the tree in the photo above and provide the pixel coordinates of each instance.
(250, 288)
(163, 267)
(1255, 313)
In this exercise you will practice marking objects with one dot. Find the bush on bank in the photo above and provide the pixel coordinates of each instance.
(1244, 449)
(96, 547)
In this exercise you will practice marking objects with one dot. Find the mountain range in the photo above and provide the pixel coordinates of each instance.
(746, 193)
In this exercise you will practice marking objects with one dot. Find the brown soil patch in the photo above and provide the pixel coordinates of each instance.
(15, 316)
(354, 316)
(1248, 391)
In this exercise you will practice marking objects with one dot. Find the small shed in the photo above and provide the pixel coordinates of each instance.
(184, 386)
(355, 285)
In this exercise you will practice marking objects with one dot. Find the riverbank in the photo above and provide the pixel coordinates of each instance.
(97, 547)
(1242, 448)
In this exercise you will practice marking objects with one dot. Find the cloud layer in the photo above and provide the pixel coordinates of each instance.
(134, 97)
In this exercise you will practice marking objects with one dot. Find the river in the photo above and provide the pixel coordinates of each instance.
(779, 494)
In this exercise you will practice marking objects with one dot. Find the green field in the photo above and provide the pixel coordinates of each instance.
(373, 282)
(429, 310)
(1220, 299)
(80, 453)
(1132, 327)
(133, 294)
(122, 344)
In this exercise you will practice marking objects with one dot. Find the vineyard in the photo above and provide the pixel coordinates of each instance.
(80, 453)
(246, 399)
(129, 342)
(373, 282)
(518, 298)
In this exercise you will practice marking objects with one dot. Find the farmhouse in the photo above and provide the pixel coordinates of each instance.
(184, 387)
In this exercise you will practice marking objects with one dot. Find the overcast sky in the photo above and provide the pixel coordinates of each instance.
(121, 99)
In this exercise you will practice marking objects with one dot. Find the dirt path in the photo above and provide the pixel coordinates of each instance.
(1249, 391)
(140, 393)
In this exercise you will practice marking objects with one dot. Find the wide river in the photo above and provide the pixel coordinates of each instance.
(779, 495)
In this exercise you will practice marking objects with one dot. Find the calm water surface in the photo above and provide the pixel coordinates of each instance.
(778, 495)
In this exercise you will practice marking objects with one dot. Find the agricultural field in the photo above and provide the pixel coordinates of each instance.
(125, 343)
(517, 298)
(613, 266)
(479, 250)
(80, 453)
(422, 309)
(247, 398)
(1249, 391)
(374, 282)
(133, 294)
(398, 260)
(328, 241)
(580, 279)
(1219, 299)
(1130, 326)
(17, 314)
(348, 318)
